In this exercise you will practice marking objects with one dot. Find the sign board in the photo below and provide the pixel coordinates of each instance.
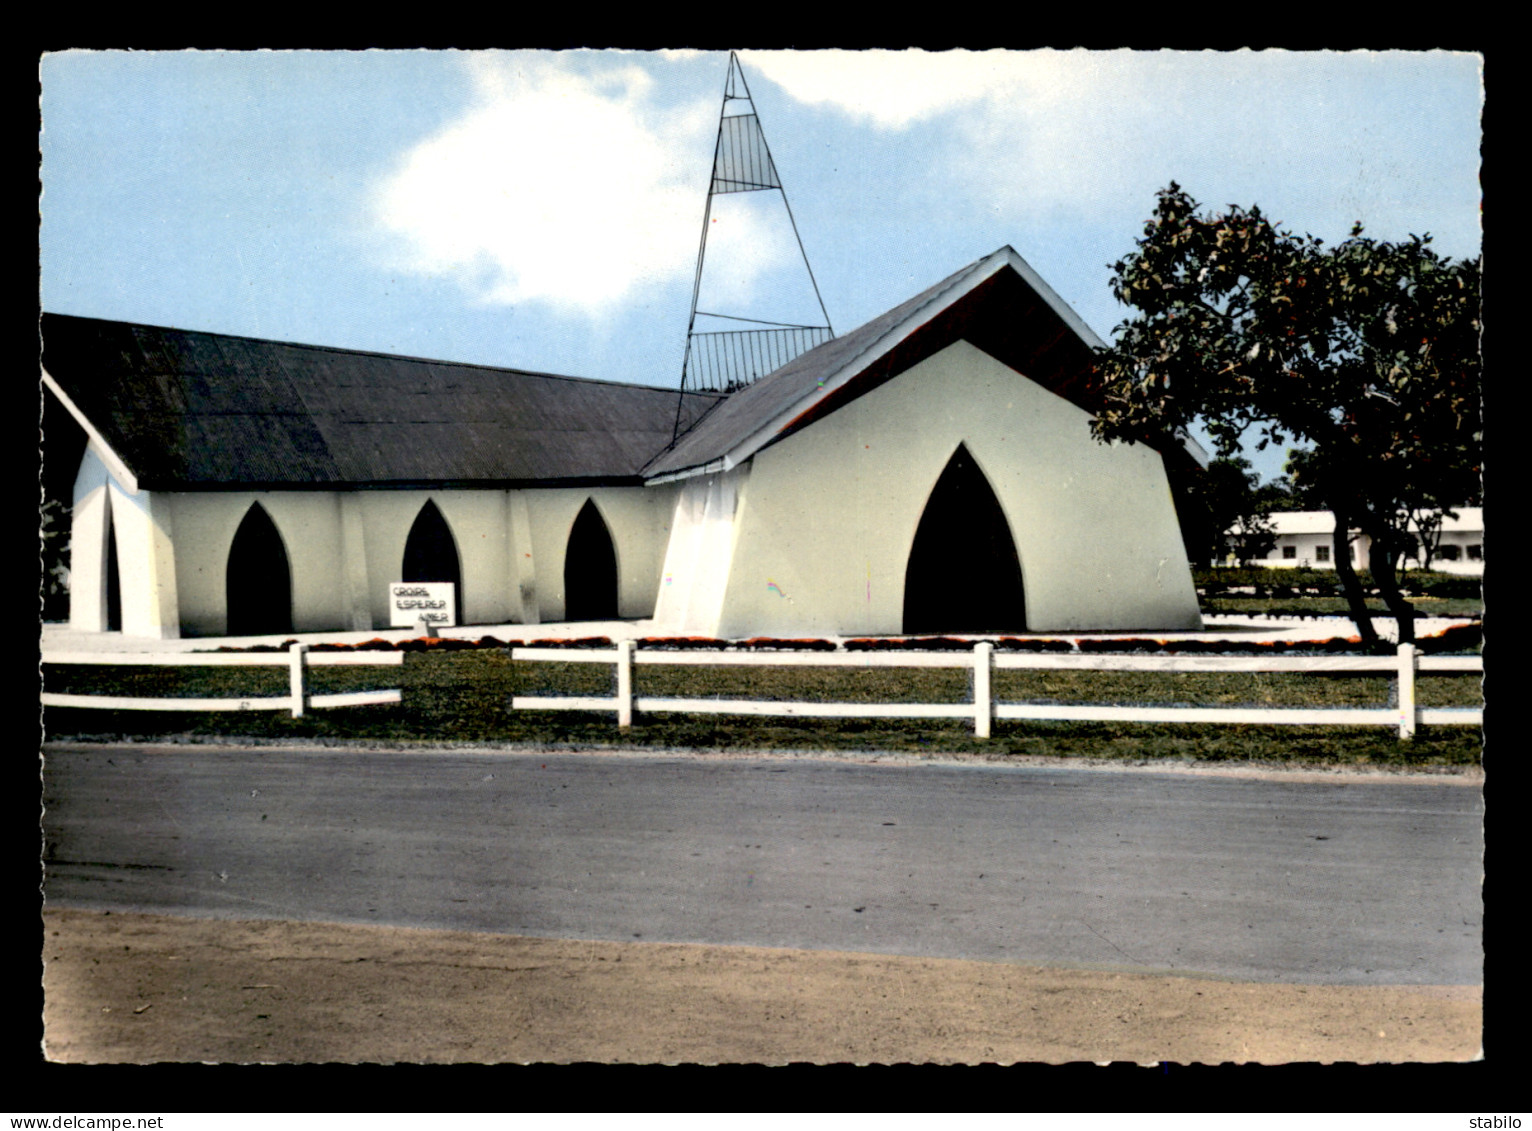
(431, 604)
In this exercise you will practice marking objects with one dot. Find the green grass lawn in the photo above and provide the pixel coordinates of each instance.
(464, 697)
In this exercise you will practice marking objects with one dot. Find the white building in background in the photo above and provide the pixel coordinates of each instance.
(1304, 539)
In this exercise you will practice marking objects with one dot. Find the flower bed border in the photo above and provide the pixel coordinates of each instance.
(1465, 637)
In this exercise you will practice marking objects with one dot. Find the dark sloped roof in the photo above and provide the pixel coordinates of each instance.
(185, 409)
(997, 303)
(189, 409)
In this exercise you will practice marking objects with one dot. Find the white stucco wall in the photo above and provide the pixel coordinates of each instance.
(343, 550)
(481, 530)
(345, 547)
(1306, 551)
(87, 546)
(1470, 552)
(638, 520)
(146, 559)
(309, 524)
(825, 519)
(695, 576)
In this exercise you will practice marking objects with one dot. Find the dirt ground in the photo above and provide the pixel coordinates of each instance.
(147, 988)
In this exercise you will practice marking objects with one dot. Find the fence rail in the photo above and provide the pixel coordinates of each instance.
(1402, 668)
(297, 659)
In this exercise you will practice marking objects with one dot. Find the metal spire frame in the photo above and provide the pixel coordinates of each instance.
(725, 360)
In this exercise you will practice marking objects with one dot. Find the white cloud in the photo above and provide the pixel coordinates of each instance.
(749, 244)
(1023, 132)
(577, 179)
(895, 89)
(566, 182)
(1035, 133)
(1064, 137)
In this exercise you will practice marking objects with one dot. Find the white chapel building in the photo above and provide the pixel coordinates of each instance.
(931, 471)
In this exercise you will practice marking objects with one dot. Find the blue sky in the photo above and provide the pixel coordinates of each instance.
(541, 210)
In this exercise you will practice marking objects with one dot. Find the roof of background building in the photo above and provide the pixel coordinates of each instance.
(1468, 520)
(1302, 522)
(188, 409)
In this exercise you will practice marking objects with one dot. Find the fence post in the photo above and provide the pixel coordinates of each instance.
(1406, 682)
(983, 701)
(625, 683)
(297, 677)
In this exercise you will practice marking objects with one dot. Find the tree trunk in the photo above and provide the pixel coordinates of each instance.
(1351, 586)
(1430, 541)
(1381, 558)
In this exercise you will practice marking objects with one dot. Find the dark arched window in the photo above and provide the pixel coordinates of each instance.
(113, 572)
(430, 554)
(258, 587)
(590, 569)
(964, 574)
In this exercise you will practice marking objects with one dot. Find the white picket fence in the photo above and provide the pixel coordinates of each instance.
(984, 709)
(298, 659)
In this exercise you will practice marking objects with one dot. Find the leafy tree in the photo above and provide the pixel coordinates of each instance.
(1367, 353)
(1297, 482)
(1424, 520)
(53, 534)
(1231, 508)
(1427, 524)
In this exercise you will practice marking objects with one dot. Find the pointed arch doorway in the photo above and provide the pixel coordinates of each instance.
(113, 572)
(590, 568)
(964, 574)
(258, 584)
(430, 554)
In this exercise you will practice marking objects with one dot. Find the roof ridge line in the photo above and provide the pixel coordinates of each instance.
(674, 440)
(941, 292)
(937, 296)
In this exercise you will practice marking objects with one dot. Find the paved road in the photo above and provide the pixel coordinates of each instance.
(1356, 881)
